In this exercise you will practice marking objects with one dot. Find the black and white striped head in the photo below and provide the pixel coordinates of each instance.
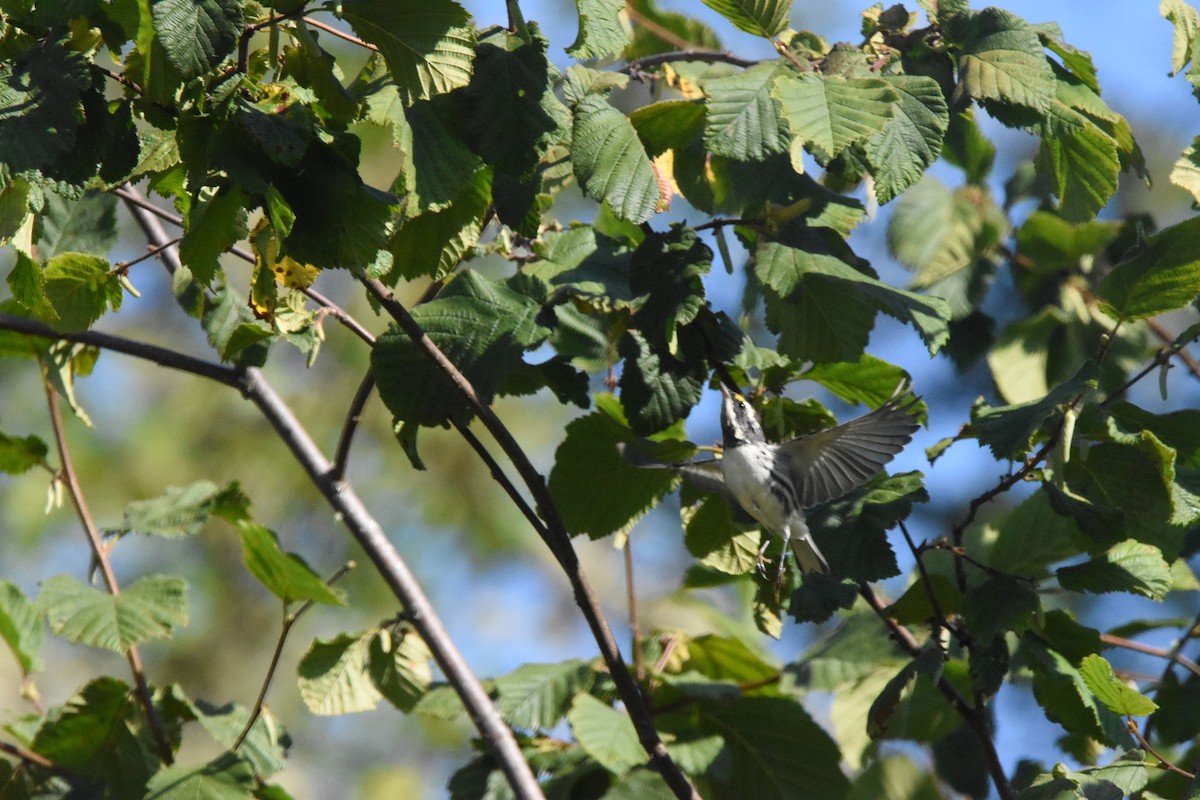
(739, 422)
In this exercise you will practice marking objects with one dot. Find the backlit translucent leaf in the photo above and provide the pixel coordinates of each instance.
(20, 627)
(611, 163)
(178, 512)
(1083, 159)
(759, 17)
(1161, 276)
(428, 46)
(81, 288)
(1186, 172)
(1186, 21)
(606, 734)
(334, 678)
(1120, 697)
(197, 34)
(830, 113)
(150, 608)
(399, 664)
(1065, 698)
(1130, 566)
(286, 575)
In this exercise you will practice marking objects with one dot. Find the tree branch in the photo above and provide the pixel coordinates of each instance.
(555, 535)
(975, 718)
(1171, 654)
(353, 416)
(100, 554)
(706, 56)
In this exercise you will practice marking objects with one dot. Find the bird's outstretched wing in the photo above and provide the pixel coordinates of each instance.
(827, 464)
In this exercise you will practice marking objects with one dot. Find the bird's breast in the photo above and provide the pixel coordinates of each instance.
(747, 472)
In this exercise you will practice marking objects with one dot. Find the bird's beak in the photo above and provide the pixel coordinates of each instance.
(725, 393)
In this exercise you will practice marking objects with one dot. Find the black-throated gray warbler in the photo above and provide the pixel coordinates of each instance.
(774, 483)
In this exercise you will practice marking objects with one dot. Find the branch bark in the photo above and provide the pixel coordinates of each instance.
(554, 534)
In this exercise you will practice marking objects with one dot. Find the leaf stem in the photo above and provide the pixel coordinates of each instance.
(1132, 727)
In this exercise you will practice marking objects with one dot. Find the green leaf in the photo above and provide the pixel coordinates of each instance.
(211, 227)
(20, 627)
(669, 125)
(40, 106)
(99, 734)
(766, 18)
(641, 784)
(86, 225)
(438, 166)
(435, 242)
(197, 34)
(712, 537)
(514, 113)
(228, 777)
(803, 262)
(829, 113)
(481, 326)
(1186, 22)
(428, 47)
(1051, 243)
(588, 465)
(286, 575)
(1020, 357)
(1186, 172)
(900, 689)
(673, 26)
(742, 120)
(150, 608)
(937, 232)
(912, 141)
(399, 666)
(178, 512)
(19, 454)
(657, 389)
(869, 380)
(265, 747)
(763, 736)
(998, 605)
(610, 162)
(535, 697)
(234, 332)
(1129, 566)
(605, 734)
(1065, 698)
(1001, 59)
(1119, 697)
(1008, 430)
(600, 30)
(1161, 276)
(1033, 536)
(1083, 158)
(81, 289)
(334, 677)
(967, 148)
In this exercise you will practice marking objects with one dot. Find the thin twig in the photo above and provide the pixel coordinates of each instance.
(556, 538)
(123, 266)
(1132, 727)
(500, 477)
(1174, 655)
(100, 553)
(354, 515)
(37, 759)
(705, 56)
(1171, 654)
(340, 34)
(341, 456)
(1165, 337)
(340, 495)
(289, 621)
(667, 35)
(935, 606)
(639, 662)
(136, 199)
(975, 718)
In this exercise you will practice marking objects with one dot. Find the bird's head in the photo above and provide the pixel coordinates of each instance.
(739, 422)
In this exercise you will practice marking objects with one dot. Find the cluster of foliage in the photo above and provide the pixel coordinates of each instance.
(237, 114)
